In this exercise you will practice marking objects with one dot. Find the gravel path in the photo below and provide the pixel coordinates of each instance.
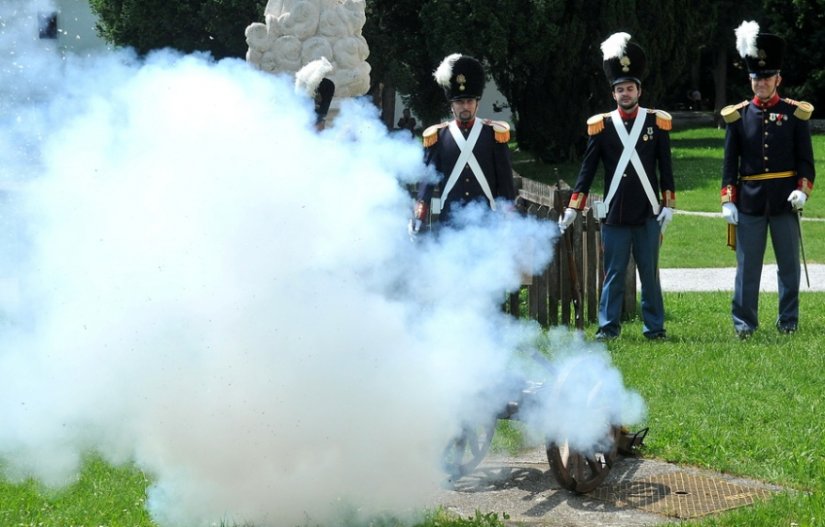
(721, 279)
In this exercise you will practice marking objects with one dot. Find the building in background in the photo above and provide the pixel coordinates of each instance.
(492, 106)
(69, 25)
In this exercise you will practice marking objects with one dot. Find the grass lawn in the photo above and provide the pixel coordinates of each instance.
(749, 408)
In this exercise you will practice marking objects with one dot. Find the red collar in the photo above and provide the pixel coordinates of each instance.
(773, 101)
(628, 116)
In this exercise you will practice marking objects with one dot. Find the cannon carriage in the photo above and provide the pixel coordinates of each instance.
(579, 472)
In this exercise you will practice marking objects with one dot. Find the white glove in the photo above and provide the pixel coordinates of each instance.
(797, 199)
(567, 219)
(730, 213)
(664, 218)
(413, 227)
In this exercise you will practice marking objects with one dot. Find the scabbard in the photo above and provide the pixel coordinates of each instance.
(732, 236)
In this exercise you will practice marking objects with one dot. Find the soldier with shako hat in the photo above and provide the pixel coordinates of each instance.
(633, 145)
(313, 81)
(767, 176)
(470, 154)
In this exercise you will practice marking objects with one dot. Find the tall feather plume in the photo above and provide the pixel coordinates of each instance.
(445, 70)
(615, 45)
(310, 76)
(746, 35)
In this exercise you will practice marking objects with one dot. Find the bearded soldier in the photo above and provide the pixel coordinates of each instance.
(767, 176)
(470, 154)
(633, 144)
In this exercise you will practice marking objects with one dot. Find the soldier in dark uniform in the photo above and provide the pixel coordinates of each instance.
(633, 145)
(470, 154)
(767, 175)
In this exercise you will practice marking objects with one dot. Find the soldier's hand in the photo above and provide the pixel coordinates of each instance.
(567, 219)
(664, 218)
(730, 213)
(413, 227)
(797, 199)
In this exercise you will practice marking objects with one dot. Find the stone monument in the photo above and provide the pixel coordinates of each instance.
(297, 32)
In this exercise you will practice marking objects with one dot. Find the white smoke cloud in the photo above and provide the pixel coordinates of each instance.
(196, 282)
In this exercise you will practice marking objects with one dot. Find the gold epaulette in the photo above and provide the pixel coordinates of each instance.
(731, 113)
(663, 120)
(430, 135)
(501, 130)
(803, 109)
(595, 124)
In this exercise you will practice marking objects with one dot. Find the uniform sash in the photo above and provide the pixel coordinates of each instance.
(467, 158)
(630, 155)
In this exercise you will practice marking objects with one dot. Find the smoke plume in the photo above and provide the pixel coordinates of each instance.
(194, 281)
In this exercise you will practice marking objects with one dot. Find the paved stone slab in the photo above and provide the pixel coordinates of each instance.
(524, 488)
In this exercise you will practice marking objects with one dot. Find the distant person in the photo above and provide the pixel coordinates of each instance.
(767, 176)
(470, 154)
(695, 97)
(633, 144)
(407, 121)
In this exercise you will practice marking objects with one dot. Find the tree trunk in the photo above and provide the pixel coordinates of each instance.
(388, 104)
(720, 81)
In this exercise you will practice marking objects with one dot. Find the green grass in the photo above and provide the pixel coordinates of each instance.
(700, 241)
(102, 495)
(750, 408)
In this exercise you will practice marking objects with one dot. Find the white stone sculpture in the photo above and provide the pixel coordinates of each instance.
(297, 32)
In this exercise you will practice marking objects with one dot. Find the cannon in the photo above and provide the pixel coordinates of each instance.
(575, 471)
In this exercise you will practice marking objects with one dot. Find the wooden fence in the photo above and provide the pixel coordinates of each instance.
(567, 292)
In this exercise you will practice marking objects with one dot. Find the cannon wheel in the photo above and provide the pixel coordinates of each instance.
(465, 452)
(577, 472)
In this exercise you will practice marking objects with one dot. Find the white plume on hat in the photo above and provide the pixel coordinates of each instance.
(310, 76)
(615, 45)
(445, 70)
(746, 35)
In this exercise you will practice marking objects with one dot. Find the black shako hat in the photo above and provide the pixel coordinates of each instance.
(461, 76)
(762, 52)
(623, 60)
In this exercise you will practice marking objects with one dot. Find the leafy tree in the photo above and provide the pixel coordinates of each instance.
(802, 24)
(216, 26)
(400, 57)
(545, 56)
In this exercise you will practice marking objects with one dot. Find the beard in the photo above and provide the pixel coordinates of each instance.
(628, 104)
(465, 116)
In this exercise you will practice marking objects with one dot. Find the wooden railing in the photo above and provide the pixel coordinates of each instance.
(567, 292)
